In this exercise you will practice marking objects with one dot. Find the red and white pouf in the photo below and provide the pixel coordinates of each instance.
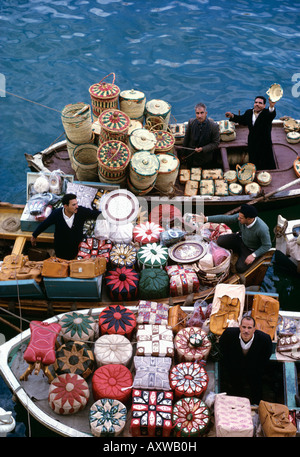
(68, 394)
(188, 379)
(147, 232)
(112, 381)
(191, 344)
(191, 417)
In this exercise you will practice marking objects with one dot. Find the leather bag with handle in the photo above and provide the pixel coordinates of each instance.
(87, 268)
(54, 267)
(265, 310)
(274, 419)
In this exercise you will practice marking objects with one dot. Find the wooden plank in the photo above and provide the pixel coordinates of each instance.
(19, 245)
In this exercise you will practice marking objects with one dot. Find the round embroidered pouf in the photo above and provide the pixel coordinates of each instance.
(122, 283)
(107, 417)
(77, 326)
(191, 344)
(112, 381)
(154, 284)
(191, 417)
(147, 232)
(74, 357)
(188, 379)
(115, 349)
(117, 319)
(123, 255)
(68, 394)
(153, 255)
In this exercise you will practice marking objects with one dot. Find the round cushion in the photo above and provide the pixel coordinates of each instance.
(74, 357)
(191, 344)
(113, 349)
(191, 417)
(68, 394)
(154, 284)
(188, 379)
(107, 417)
(153, 255)
(122, 283)
(112, 381)
(147, 232)
(76, 326)
(123, 255)
(117, 319)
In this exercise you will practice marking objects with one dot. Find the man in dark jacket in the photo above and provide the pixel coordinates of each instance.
(245, 352)
(202, 138)
(68, 222)
(259, 122)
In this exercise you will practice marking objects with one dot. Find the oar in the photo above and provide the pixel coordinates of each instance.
(263, 197)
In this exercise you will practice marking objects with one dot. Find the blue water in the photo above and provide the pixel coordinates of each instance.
(222, 53)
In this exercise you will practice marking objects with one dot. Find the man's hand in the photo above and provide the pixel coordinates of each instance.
(249, 259)
(229, 114)
(33, 241)
(271, 104)
(198, 149)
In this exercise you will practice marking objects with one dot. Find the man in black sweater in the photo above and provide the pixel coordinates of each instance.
(68, 222)
(245, 352)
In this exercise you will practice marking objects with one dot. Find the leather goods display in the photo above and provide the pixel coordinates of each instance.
(91, 247)
(30, 270)
(227, 307)
(183, 280)
(177, 318)
(191, 344)
(11, 265)
(123, 255)
(274, 419)
(77, 326)
(107, 417)
(87, 268)
(117, 319)
(151, 312)
(147, 232)
(113, 349)
(152, 372)
(68, 394)
(151, 413)
(54, 267)
(112, 381)
(152, 255)
(188, 379)
(154, 284)
(154, 340)
(265, 310)
(289, 346)
(122, 283)
(74, 357)
(191, 417)
(233, 416)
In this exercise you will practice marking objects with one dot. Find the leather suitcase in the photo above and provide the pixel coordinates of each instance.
(54, 267)
(274, 419)
(87, 268)
(265, 311)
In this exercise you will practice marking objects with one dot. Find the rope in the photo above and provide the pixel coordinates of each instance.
(27, 100)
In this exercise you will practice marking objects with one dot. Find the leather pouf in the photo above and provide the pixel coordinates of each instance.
(147, 232)
(154, 284)
(122, 283)
(188, 379)
(152, 372)
(113, 349)
(152, 255)
(77, 326)
(151, 312)
(117, 319)
(74, 357)
(112, 381)
(154, 340)
(191, 417)
(107, 417)
(123, 255)
(68, 394)
(191, 344)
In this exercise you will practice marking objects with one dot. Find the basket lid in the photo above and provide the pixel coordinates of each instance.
(104, 90)
(164, 140)
(144, 163)
(120, 206)
(142, 139)
(275, 92)
(132, 94)
(113, 154)
(168, 163)
(158, 107)
(114, 121)
(252, 188)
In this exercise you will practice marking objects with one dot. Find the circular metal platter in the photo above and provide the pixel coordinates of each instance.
(187, 251)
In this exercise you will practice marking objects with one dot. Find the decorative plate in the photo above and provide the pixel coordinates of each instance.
(120, 207)
(275, 92)
(187, 251)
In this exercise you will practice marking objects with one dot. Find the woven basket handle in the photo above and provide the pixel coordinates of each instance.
(114, 76)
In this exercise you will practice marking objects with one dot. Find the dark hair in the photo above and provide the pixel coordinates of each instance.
(247, 316)
(200, 105)
(67, 197)
(262, 97)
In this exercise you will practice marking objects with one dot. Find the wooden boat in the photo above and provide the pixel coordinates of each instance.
(283, 189)
(33, 393)
(287, 233)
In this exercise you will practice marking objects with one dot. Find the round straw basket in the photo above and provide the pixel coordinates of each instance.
(104, 96)
(71, 146)
(132, 102)
(85, 162)
(113, 159)
(142, 140)
(246, 173)
(77, 122)
(165, 142)
(143, 170)
(167, 173)
(114, 126)
(139, 192)
(158, 109)
(212, 276)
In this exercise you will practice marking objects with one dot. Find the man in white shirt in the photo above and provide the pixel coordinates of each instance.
(259, 122)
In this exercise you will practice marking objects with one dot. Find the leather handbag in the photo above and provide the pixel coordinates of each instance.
(31, 270)
(54, 267)
(87, 268)
(275, 421)
(265, 311)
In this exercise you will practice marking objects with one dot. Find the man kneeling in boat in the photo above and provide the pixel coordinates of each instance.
(252, 240)
(68, 222)
(202, 138)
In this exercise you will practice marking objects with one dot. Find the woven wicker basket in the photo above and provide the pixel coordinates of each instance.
(85, 162)
(215, 275)
(104, 96)
(77, 122)
(246, 173)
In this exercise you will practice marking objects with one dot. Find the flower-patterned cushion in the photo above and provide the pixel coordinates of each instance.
(68, 394)
(77, 326)
(153, 255)
(123, 255)
(74, 357)
(147, 232)
(191, 344)
(191, 417)
(122, 283)
(107, 417)
(112, 381)
(188, 379)
(117, 319)
(113, 349)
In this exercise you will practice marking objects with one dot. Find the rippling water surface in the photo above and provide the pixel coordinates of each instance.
(223, 53)
(220, 52)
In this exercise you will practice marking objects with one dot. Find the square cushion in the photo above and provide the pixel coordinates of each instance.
(151, 312)
(154, 340)
(233, 416)
(152, 373)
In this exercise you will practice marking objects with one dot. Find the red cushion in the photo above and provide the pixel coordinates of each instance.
(112, 381)
(68, 393)
(117, 319)
(188, 379)
(41, 347)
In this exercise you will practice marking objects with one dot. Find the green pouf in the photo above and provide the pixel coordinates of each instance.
(154, 283)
